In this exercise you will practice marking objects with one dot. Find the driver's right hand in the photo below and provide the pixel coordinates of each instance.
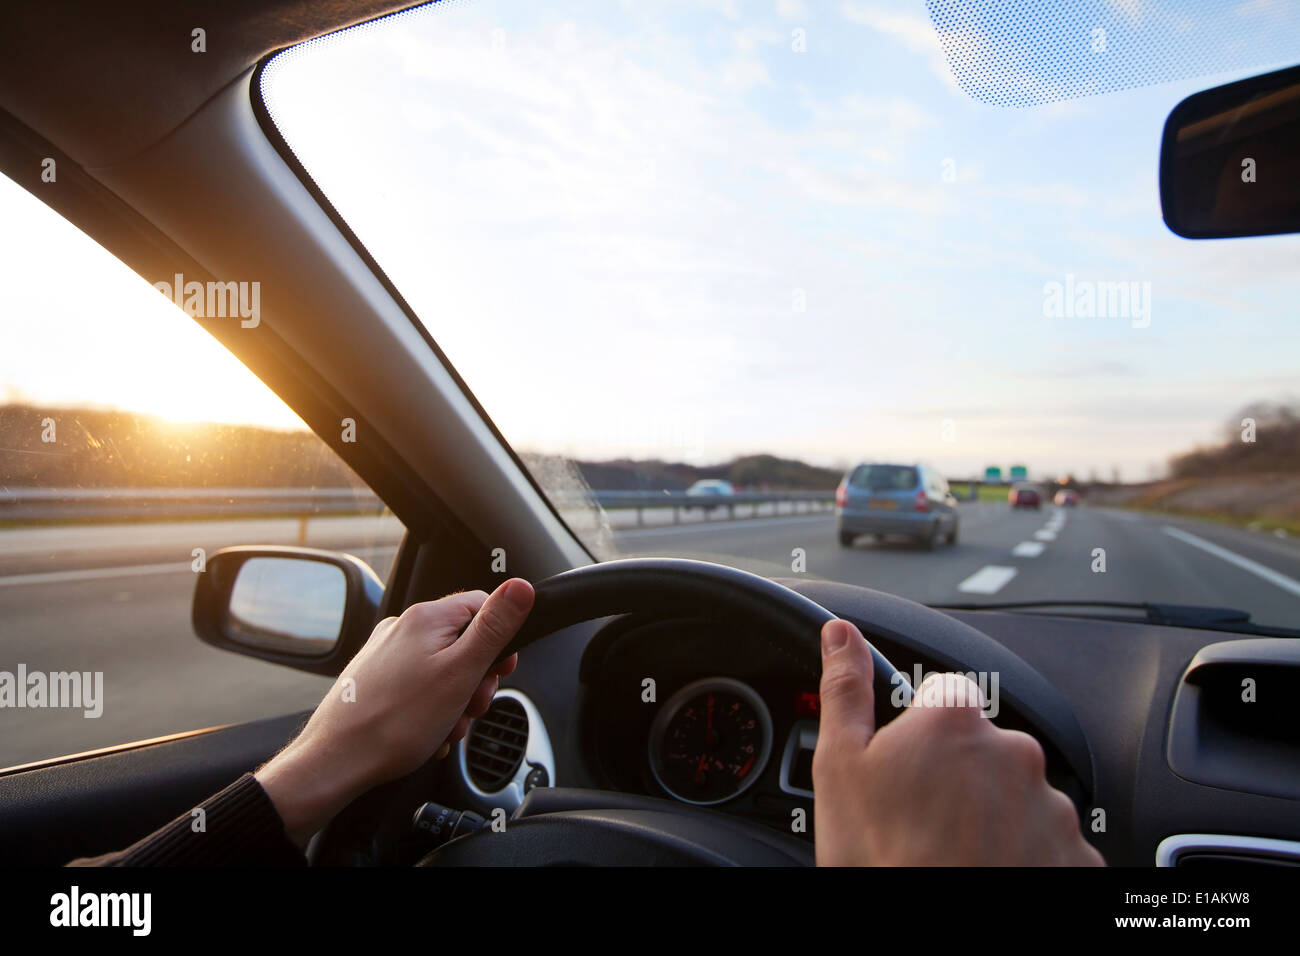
(939, 785)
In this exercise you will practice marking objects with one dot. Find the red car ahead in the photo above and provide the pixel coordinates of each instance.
(1025, 496)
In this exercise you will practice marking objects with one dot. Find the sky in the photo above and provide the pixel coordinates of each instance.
(698, 230)
(79, 329)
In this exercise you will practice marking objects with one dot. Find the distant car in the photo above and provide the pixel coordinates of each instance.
(1066, 498)
(711, 486)
(1025, 496)
(885, 499)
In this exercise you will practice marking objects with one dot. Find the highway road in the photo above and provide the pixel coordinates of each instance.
(116, 599)
(1003, 555)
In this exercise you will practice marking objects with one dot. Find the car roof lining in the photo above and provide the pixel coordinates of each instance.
(103, 82)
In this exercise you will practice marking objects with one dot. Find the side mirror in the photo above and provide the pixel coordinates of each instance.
(300, 607)
(1230, 160)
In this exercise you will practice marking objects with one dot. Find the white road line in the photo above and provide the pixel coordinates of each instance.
(989, 579)
(1028, 549)
(94, 574)
(132, 570)
(1047, 534)
(1254, 567)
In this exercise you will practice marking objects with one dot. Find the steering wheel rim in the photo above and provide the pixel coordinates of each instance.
(681, 587)
(663, 831)
(664, 588)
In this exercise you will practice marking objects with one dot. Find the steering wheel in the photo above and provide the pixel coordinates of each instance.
(588, 827)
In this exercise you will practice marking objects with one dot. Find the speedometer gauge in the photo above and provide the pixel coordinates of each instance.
(710, 741)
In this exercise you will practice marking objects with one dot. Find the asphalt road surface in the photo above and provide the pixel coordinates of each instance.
(116, 599)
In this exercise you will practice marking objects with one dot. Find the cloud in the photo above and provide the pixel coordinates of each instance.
(727, 8)
(862, 187)
(912, 31)
(858, 113)
(750, 39)
(1085, 369)
(742, 74)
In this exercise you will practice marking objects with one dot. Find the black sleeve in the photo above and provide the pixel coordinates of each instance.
(240, 828)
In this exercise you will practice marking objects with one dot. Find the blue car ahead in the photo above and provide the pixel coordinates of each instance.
(882, 499)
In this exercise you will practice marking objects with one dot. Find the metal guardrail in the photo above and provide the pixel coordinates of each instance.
(751, 502)
(71, 504)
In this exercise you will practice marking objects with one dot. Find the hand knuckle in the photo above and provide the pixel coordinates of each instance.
(492, 621)
(1026, 751)
(956, 695)
(950, 722)
(841, 682)
(422, 615)
(1063, 811)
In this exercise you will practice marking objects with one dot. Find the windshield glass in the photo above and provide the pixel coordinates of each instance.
(768, 244)
(884, 477)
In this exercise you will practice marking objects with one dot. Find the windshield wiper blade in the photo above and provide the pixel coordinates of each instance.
(1020, 605)
(1195, 615)
(1171, 615)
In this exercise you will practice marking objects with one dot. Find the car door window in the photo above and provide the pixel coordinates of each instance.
(132, 445)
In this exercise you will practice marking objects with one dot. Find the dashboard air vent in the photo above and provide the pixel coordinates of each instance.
(1217, 849)
(496, 743)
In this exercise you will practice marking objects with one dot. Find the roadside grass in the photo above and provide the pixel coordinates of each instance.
(984, 493)
(1261, 524)
(1266, 503)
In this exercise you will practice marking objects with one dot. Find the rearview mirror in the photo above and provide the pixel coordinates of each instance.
(300, 607)
(1230, 160)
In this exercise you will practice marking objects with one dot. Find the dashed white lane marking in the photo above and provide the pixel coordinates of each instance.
(1254, 567)
(989, 579)
(130, 571)
(1047, 534)
(1028, 549)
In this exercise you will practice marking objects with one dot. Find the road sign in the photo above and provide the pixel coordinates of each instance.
(1019, 472)
(992, 474)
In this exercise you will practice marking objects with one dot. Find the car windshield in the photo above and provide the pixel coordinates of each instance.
(884, 477)
(768, 242)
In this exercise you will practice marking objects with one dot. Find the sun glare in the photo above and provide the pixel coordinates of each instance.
(81, 330)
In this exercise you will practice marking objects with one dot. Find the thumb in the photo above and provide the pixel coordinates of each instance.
(496, 622)
(847, 698)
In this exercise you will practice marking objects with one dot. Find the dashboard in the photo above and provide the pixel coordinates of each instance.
(1129, 730)
(715, 716)
(701, 714)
